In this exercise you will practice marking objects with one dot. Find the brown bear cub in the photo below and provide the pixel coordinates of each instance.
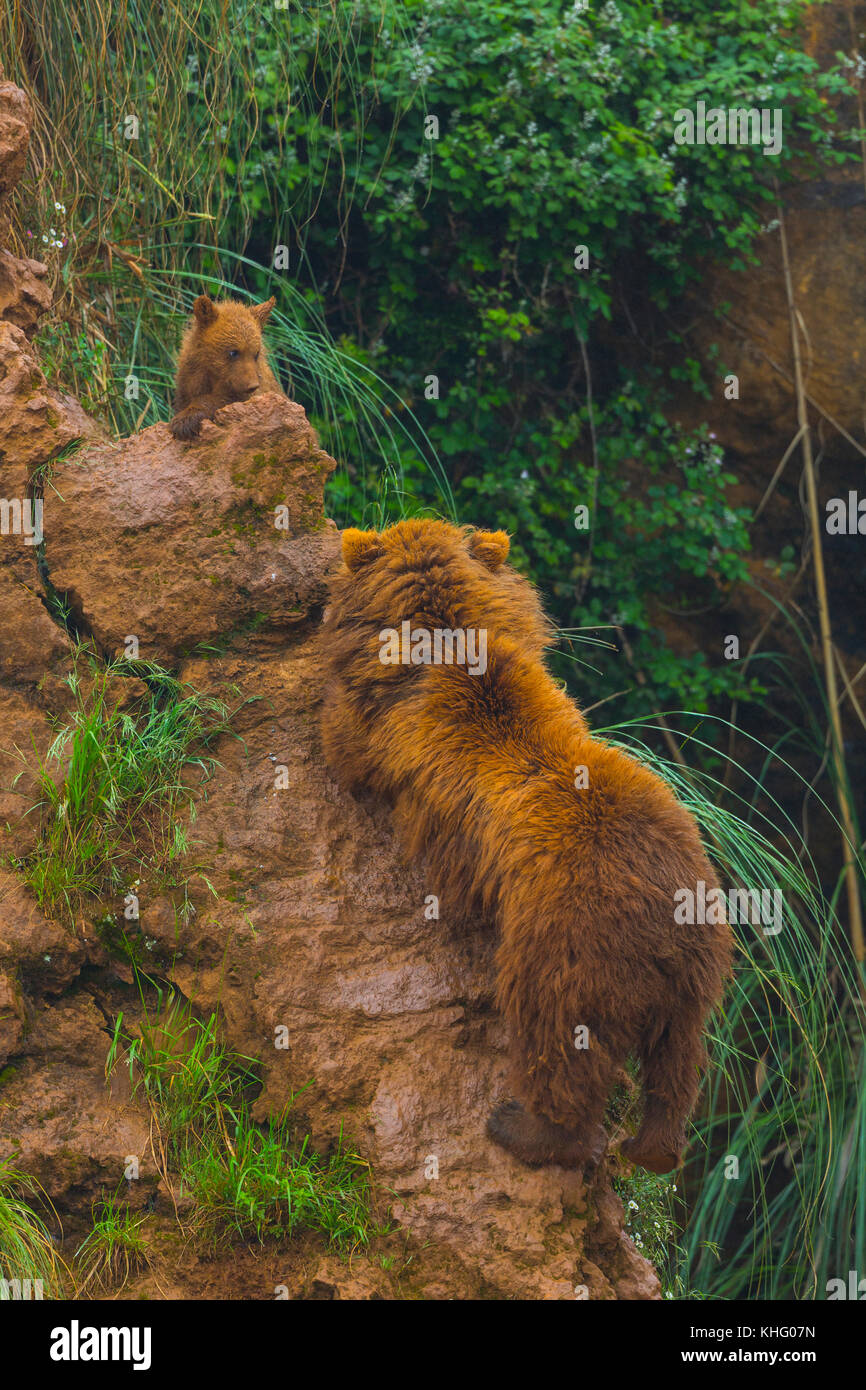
(222, 359)
(575, 849)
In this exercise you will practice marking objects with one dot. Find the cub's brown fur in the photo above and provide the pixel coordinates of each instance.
(222, 359)
(481, 770)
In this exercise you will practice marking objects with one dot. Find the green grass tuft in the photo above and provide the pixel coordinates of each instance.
(27, 1251)
(113, 1250)
(248, 1181)
(252, 1186)
(111, 784)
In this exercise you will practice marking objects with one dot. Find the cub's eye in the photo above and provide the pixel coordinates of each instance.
(256, 358)
(232, 353)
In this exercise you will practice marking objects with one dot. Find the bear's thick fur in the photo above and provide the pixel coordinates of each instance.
(222, 359)
(579, 870)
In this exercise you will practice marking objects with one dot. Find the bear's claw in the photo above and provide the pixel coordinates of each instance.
(187, 426)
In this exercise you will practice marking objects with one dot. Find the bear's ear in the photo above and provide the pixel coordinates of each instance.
(262, 312)
(361, 547)
(490, 547)
(205, 310)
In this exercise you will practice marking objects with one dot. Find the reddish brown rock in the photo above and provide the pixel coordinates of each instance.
(34, 658)
(24, 292)
(176, 544)
(31, 643)
(63, 1122)
(16, 119)
(36, 422)
(44, 955)
(12, 1016)
(827, 248)
(25, 736)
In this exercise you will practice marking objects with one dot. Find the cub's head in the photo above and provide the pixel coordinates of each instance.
(226, 338)
(436, 576)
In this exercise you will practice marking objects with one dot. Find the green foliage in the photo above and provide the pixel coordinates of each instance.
(111, 786)
(653, 1223)
(254, 1187)
(652, 1215)
(78, 362)
(248, 1181)
(785, 1095)
(181, 1065)
(556, 130)
(113, 1249)
(27, 1251)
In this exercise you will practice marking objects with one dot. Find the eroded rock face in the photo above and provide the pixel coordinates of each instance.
(47, 957)
(24, 292)
(36, 422)
(181, 544)
(314, 922)
(31, 643)
(16, 119)
(24, 289)
(59, 1118)
(827, 248)
(320, 930)
(34, 658)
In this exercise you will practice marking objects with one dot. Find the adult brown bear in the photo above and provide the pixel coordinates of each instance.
(575, 848)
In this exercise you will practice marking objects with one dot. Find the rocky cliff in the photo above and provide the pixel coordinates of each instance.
(299, 918)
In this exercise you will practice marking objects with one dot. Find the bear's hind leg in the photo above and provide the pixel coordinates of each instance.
(670, 1084)
(562, 1065)
(576, 1137)
(537, 1141)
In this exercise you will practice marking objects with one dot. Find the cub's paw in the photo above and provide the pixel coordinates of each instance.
(656, 1158)
(537, 1141)
(188, 423)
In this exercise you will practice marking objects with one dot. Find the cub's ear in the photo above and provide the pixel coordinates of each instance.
(361, 547)
(205, 310)
(490, 547)
(262, 312)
